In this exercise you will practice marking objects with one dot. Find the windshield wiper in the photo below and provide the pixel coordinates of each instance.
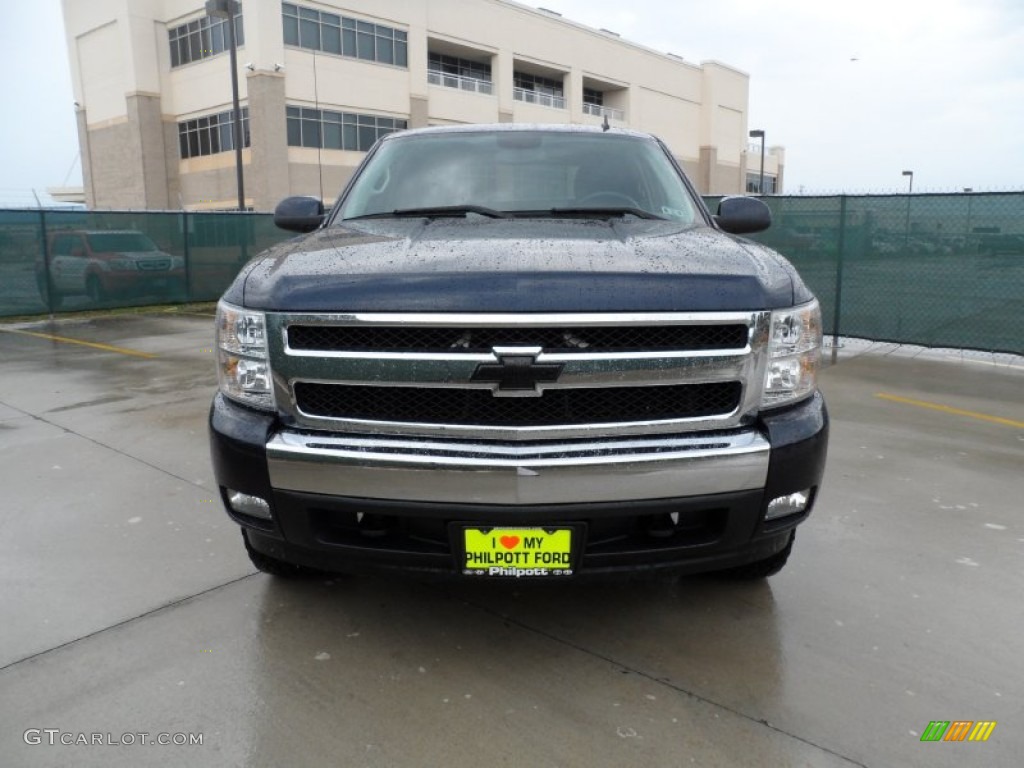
(439, 210)
(595, 212)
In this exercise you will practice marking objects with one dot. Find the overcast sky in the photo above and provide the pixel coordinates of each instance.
(856, 92)
(937, 86)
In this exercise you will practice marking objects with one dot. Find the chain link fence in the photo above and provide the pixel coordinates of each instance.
(944, 270)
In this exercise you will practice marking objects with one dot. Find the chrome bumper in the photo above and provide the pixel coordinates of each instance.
(469, 472)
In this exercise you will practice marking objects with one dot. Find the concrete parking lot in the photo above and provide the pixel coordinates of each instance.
(130, 608)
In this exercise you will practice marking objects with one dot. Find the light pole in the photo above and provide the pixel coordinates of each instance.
(228, 9)
(759, 134)
(906, 227)
(970, 199)
(906, 247)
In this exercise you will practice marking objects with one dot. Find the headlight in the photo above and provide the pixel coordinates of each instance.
(243, 368)
(794, 353)
(121, 265)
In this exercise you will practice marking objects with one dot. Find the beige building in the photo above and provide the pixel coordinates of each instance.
(321, 81)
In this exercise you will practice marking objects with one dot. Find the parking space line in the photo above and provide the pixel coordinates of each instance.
(93, 344)
(950, 410)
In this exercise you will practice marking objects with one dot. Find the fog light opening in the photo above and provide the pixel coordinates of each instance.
(371, 525)
(247, 504)
(790, 504)
(662, 526)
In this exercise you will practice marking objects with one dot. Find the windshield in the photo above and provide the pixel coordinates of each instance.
(120, 242)
(521, 173)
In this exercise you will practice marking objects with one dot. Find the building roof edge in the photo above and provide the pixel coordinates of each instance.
(603, 34)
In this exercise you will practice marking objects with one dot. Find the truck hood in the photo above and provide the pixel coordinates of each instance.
(517, 265)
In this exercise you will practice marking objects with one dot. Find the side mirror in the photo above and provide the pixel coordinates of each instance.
(299, 214)
(740, 215)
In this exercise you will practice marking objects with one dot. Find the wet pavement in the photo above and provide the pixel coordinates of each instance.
(129, 606)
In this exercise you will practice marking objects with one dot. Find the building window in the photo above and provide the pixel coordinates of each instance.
(340, 35)
(754, 181)
(324, 129)
(202, 38)
(464, 74)
(534, 89)
(211, 134)
(593, 104)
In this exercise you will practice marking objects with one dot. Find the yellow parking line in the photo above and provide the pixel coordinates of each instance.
(94, 345)
(952, 411)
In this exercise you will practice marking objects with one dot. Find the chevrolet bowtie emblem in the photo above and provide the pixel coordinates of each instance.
(517, 372)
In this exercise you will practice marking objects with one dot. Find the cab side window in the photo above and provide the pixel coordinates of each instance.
(64, 245)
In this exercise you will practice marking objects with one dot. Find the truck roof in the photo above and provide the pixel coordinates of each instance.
(78, 231)
(514, 127)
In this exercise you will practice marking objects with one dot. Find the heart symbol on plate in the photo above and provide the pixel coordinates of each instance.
(509, 542)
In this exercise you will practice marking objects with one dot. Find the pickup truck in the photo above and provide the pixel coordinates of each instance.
(524, 352)
(102, 263)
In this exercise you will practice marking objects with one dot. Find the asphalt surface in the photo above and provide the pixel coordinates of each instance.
(129, 607)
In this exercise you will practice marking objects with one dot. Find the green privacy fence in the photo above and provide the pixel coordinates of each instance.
(936, 270)
(70, 260)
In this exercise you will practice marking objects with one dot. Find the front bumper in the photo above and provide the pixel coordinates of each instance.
(689, 502)
(140, 281)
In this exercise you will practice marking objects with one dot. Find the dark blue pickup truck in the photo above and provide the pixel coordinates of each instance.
(519, 352)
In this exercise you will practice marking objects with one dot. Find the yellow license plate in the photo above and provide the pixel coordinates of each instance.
(517, 552)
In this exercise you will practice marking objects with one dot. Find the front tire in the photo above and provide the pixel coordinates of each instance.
(761, 569)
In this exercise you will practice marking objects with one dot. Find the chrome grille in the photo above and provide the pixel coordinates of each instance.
(478, 407)
(154, 265)
(583, 375)
(483, 339)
